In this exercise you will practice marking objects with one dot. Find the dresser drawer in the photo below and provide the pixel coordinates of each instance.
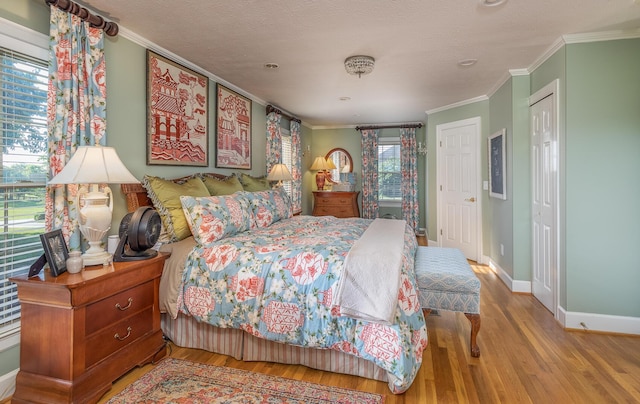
(115, 308)
(117, 336)
(337, 211)
(335, 201)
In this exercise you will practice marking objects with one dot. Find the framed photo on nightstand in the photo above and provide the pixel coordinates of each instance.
(55, 251)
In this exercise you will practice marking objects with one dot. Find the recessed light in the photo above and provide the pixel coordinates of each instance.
(344, 98)
(272, 66)
(467, 62)
(492, 3)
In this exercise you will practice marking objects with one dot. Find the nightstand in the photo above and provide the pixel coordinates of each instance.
(80, 332)
(335, 203)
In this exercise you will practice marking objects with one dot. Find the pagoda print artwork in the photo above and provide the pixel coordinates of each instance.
(177, 116)
(233, 120)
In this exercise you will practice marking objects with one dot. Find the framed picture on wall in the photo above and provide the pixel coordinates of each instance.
(177, 114)
(498, 165)
(233, 130)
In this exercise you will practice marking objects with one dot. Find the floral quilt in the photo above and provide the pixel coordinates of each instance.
(277, 282)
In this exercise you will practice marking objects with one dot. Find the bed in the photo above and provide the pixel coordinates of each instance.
(269, 286)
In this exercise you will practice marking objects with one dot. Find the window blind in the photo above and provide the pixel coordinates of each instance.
(23, 165)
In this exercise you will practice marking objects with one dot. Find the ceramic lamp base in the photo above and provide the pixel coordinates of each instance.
(320, 180)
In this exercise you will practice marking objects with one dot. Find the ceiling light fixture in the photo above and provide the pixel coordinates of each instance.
(467, 62)
(359, 65)
(492, 3)
(271, 66)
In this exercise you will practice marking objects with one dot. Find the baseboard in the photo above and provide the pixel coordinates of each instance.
(574, 320)
(600, 322)
(8, 384)
(514, 286)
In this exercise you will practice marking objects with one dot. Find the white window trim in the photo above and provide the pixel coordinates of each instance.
(32, 43)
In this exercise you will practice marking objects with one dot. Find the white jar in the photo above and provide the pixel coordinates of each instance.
(74, 262)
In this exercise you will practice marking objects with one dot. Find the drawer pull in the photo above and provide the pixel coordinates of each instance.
(117, 336)
(127, 306)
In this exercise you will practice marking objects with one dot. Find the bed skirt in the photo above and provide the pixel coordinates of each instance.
(186, 332)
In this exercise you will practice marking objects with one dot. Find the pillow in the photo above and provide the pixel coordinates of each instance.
(222, 186)
(215, 217)
(252, 184)
(270, 206)
(165, 195)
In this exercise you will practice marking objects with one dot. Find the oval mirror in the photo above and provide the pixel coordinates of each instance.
(341, 160)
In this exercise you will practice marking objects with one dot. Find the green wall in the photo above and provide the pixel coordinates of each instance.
(603, 177)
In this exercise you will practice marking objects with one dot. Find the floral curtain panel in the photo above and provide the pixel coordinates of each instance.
(274, 140)
(296, 166)
(369, 140)
(409, 169)
(76, 110)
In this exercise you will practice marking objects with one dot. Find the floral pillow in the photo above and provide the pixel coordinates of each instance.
(270, 206)
(215, 217)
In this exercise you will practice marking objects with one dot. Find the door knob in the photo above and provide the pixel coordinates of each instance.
(472, 199)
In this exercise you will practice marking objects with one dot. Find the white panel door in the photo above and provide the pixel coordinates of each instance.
(544, 160)
(458, 185)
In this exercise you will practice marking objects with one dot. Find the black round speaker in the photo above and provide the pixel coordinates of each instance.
(139, 232)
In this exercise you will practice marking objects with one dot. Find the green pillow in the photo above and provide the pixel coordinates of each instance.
(165, 195)
(252, 184)
(224, 186)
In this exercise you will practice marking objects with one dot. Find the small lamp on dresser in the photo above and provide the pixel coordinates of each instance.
(320, 165)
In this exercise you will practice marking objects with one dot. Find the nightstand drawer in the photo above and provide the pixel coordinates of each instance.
(117, 336)
(115, 308)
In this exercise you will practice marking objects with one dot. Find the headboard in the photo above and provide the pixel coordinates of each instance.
(137, 196)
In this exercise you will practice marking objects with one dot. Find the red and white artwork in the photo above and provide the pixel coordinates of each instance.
(233, 137)
(177, 117)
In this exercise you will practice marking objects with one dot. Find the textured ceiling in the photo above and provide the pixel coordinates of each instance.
(416, 44)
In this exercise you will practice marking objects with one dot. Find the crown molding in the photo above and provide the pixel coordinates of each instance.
(457, 104)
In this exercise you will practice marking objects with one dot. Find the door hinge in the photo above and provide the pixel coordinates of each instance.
(441, 232)
(440, 187)
(441, 143)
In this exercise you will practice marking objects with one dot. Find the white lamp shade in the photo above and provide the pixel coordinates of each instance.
(94, 165)
(320, 163)
(279, 172)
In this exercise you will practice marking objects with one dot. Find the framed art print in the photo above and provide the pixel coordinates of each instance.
(177, 114)
(233, 130)
(55, 251)
(498, 165)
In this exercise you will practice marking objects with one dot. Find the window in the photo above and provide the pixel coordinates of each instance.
(287, 157)
(389, 174)
(23, 165)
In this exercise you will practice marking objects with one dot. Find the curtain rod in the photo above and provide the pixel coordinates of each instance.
(271, 108)
(109, 28)
(404, 126)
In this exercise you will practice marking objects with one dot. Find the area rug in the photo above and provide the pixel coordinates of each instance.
(179, 381)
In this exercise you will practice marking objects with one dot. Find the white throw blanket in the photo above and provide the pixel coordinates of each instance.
(368, 287)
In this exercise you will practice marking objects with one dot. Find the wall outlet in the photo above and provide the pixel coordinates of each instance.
(502, 249)
(485, 185)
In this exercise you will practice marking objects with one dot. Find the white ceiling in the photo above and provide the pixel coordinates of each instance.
(416, 44)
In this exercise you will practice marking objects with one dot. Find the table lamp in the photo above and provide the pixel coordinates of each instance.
(279, 172)
(93, 165)
(320, 165)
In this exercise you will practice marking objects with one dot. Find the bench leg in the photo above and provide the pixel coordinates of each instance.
(475, 327)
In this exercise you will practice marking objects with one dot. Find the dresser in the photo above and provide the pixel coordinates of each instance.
(334, 203)
(80, 332)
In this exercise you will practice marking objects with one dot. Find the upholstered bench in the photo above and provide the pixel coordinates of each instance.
(447, 282)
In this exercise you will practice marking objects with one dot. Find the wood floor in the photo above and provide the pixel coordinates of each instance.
(525, 357)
